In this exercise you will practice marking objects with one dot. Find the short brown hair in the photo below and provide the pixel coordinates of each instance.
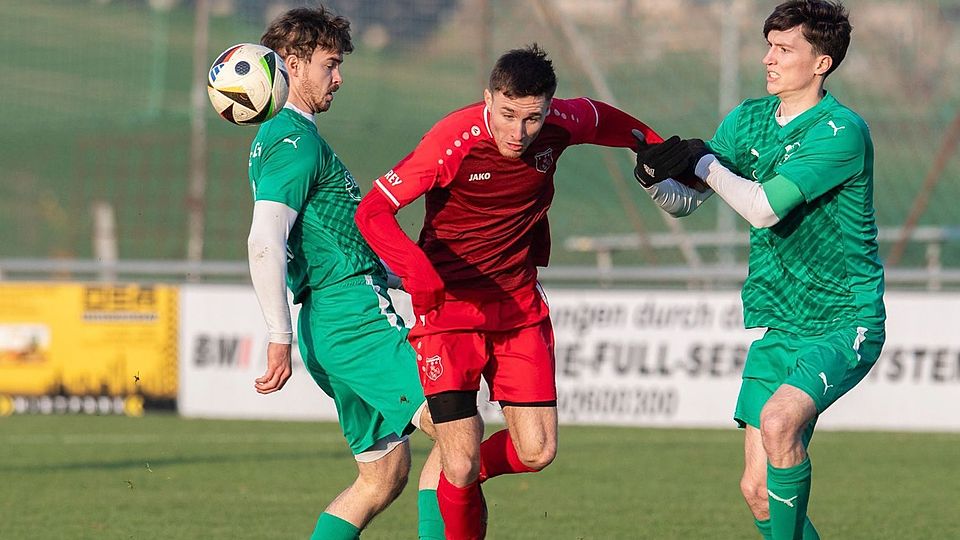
(301, 30)
(825, 24)
(524, 72)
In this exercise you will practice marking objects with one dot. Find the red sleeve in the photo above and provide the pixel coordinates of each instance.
(376, 218)
(594, 122)
(433, 163)
(435, 160)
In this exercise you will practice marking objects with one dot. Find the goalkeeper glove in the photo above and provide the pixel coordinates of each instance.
(657, 162)
(689, 177)
(697, 149)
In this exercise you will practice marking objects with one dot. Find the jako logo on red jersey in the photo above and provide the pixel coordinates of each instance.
(434, 367)
(478, 176)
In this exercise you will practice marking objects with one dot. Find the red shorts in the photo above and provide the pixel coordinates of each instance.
(508, 341)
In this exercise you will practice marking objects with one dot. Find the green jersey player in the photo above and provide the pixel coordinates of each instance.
(303, 236)
(798, 165)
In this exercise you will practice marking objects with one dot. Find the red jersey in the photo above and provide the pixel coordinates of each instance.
(485, 227)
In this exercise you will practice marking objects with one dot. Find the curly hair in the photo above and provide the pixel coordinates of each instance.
(301, 30)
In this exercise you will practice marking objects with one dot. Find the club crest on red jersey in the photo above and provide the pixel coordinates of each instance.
(544, 160)
(433, 367)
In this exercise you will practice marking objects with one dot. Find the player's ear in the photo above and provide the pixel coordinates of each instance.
(293, 64)
(824, 62)
(488, 98)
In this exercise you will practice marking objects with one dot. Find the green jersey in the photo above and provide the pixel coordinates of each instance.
(818, 268)
(290, 163)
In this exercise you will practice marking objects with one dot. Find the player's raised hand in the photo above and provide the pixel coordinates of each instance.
(697, 149)
(657, 162)
(278, 368)
(689, 177)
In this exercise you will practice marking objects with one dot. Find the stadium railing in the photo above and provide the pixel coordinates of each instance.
(932, 276)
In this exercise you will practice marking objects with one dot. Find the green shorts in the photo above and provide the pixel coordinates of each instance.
(824, 366)
(355, 347)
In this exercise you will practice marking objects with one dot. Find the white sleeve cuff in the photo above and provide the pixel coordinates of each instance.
(746, 197)
(267, 257)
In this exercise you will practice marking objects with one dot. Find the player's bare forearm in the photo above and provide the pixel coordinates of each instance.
(278, 368)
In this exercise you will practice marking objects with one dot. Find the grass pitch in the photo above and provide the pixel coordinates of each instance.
(165, 477)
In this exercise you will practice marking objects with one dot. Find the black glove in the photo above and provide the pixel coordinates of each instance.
(688, 176)
(698, 149)
(657, 162)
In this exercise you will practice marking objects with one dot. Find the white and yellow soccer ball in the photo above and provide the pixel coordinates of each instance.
(248, 84)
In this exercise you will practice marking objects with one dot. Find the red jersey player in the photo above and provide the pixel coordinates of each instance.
(487, 173)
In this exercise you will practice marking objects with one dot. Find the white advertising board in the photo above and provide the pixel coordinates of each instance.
(223, 348)
(639, 358)
(648, 358)
(674, 359)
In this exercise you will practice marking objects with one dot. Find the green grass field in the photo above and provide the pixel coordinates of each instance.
(162, 476)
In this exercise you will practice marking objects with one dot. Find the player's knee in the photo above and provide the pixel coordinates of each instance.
(539, 457)
(775, 428)
(453, 405)
(461, 470)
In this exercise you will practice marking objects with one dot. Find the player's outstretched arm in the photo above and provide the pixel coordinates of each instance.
(677, 197)
(763, 205)
(619, 128)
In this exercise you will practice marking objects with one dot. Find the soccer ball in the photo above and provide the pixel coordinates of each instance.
(248, 84)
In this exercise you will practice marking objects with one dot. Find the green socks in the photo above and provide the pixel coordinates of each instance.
(789, 492)
(330, 527)
(430, 527)
(764, 528)
(809, 533)
(430, 523)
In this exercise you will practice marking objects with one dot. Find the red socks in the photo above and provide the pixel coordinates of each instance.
(499, 456)
(463, 509)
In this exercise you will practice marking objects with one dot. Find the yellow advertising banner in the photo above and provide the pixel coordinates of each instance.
(69, 339)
